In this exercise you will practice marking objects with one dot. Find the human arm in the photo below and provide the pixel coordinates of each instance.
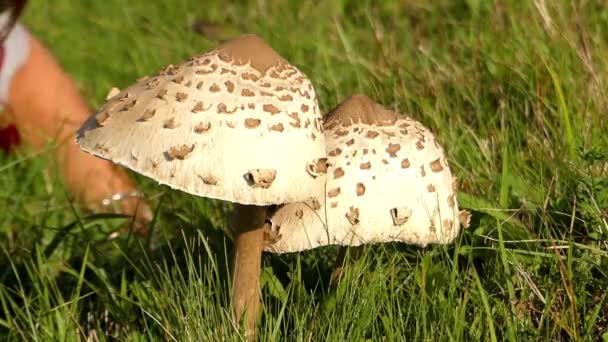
(47, 106)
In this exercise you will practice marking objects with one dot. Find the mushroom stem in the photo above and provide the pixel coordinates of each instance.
(342, 262)
(249, 223)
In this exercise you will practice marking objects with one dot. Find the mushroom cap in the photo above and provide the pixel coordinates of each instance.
(388, 180)
(237, 123)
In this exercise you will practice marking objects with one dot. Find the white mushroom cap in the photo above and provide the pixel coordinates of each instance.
(238, 123)
(388, 180)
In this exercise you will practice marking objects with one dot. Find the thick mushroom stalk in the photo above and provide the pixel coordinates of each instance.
(249, 223)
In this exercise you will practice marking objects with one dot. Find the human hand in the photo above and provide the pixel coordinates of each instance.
(102, 187)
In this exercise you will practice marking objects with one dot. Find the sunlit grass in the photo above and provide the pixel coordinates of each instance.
(514, 90)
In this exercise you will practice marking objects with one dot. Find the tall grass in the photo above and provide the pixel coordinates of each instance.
(515, 91)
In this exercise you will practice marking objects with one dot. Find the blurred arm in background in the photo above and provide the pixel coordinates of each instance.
(47, 106)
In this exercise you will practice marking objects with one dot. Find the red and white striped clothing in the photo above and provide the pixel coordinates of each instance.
(14, 51)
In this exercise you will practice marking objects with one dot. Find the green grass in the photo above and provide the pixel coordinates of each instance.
(516, 92)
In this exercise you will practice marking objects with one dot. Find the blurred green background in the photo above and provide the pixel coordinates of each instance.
(515, 91)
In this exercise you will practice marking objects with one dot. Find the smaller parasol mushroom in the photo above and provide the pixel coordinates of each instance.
(388, 180)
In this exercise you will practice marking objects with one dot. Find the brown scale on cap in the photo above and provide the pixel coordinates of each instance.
(297, 122)
(401, 215)
(199, 85)
(405, 163)
(169, 123)
(101, 118)
(129, 105)
(261, 178)
(270, 108)
(202, 127)
(227, 71)
(422, 172)
(278, 127)
(169, 70)
(215, 88)
(430, 188)
(333, 192)
(392, 149)
(247, 92)
(178, 79)
(371, 134)
(247, 76)
(317, 167)
(436, 165)
(300, 213)
(162, 94)
(179, 152)
(200, 107)
(338, 172)
(181, 97)
(209, 180)
(419, 145)
(360, 108)
(286, 98)
(147, 115)
(365, 166)
(229, 86)
(315, 204)
(304, 108)
(360, 189)
(353, 215)
(152, 83)
(252, 123)
(335, 152)
(223, 109)
(350, 142)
